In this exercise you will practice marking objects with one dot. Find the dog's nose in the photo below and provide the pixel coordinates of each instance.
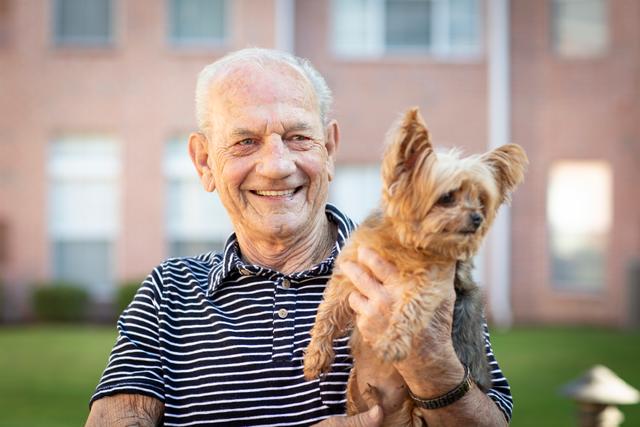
(476, 219)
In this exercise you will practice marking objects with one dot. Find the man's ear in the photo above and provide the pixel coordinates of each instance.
(199, 153)
(332, 141)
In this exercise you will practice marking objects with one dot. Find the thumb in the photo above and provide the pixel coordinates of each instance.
(371, 418)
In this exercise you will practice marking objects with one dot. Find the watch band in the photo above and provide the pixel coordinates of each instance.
(447, 398)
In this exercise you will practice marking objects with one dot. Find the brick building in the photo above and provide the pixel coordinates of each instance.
(97, 99)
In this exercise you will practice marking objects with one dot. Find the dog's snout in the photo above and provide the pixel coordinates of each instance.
(476, 219)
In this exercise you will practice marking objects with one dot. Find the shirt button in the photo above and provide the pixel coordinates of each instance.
(282, 313)
(244, 271)
(286, 283)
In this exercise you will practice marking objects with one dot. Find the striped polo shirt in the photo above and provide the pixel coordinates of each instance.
(221, 342)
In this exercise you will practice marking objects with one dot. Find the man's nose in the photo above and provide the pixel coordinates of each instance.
(276, 161)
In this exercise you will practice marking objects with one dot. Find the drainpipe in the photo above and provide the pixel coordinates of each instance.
(285, 26)
(498, 249)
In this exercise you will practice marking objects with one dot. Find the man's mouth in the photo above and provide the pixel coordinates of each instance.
(276, 193)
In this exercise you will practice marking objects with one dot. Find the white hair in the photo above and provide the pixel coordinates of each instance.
(260, 57)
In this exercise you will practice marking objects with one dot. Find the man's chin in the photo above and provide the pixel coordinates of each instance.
(285, 224)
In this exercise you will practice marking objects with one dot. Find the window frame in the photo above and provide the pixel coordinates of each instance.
(84, 42)
(187, 43)
(69, 169)
(182, 171)
(554, 26)
(572, 285)
(376, 48)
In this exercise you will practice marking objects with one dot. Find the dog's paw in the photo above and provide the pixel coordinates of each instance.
(311, 373)
(311, 365)
(315, 363)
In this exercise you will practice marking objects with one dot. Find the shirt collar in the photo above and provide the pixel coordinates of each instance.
(232, 262)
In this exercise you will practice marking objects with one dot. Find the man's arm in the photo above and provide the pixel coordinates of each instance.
(125, 410)
(445, 372)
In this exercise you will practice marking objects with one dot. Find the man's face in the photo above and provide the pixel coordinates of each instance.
(271, 158)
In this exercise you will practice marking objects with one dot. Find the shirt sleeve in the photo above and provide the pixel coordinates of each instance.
(134, 365)
(500, 391)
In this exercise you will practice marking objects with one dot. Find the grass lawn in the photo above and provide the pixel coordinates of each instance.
(48, 373)
(537, 362)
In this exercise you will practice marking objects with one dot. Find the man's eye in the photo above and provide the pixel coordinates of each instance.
(299, 138)
(247, 141)
(446, 199)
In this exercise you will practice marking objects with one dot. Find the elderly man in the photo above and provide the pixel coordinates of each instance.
(218, 339)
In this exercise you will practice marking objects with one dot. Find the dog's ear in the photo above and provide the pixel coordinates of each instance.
(408, 148)
(508, 164)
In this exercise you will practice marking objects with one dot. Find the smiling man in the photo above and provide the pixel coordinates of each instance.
(268, 153)
(219, 339)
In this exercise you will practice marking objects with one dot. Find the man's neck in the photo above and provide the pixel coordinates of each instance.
(293, 254)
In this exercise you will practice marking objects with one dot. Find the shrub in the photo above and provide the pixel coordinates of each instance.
(1, 301)
(125, 293)
(60, 301)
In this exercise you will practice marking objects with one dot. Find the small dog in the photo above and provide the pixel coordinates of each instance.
(436, 209)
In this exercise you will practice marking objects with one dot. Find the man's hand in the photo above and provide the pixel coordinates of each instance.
(375, 295)
(371, 418)
(379, 290)
(432, 367)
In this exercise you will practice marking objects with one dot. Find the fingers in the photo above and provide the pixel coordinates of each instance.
(358, 303)
(380, 268)
(371, 418)
(362, 280)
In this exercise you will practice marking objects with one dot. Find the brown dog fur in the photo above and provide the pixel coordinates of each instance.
(436, 209)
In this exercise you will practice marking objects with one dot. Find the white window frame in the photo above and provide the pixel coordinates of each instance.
(570, 212)
(177, 166)
(356, 189)
(585, 52)
(100, 163)
(374, 45)
(84, 41)
(186, 42)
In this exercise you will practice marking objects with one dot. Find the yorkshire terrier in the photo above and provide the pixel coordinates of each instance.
(436, 210)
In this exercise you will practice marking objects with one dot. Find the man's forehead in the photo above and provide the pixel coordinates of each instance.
(248, 83)
(241, 130)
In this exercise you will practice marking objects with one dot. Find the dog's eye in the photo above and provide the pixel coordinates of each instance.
(446, 199)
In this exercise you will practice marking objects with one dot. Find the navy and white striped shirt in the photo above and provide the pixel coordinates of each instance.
(221, 342)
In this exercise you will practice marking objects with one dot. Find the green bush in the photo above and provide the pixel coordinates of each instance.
(1, 301)
(60, 302)
(125, 294)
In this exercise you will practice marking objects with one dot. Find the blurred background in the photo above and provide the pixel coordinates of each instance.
(96, 187)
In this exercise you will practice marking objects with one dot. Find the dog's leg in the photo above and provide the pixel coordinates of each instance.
(354, 400)
(333, 319)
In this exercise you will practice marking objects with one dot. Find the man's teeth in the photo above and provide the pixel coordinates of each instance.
(275, 193)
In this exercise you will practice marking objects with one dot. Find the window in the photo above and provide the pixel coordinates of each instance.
(579, 215)
(84, 211)
(579, 27)
(356, 190)
(83, 22)
(446, 28)
(196, 220)
(5, 21)
(197, 22)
